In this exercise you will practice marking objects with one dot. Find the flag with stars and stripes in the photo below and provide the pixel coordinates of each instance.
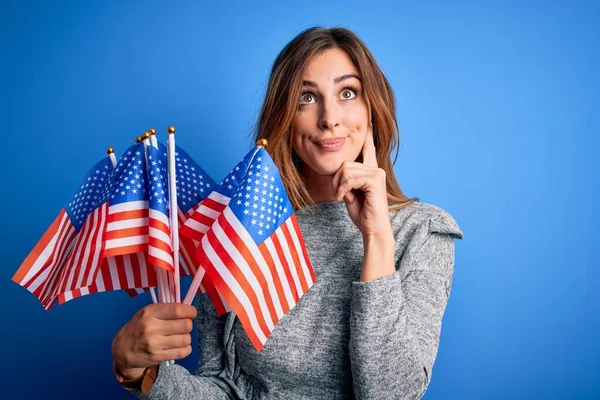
(127, 227)
(69, 251)
(254, 252)
(194, 186)
(160, 251)
(129, 270)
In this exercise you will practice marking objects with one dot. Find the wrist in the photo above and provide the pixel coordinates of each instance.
(379, 250)
(380, 240)
(130, 373)
(143, 382)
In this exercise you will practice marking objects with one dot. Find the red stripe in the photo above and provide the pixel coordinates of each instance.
(303, 247)
(186, 248)
(70, 267)
(160, 263)
(160, 245)
(98, 237)
(296, 260)
(135, 248)
(136, 231)
(231, 299)
(136, 271)
(158, 224)
(286, 267)
(276, 277)
(38, 248)
(105, 273)
(66, 233)
(121, 274)
(55, 262)
(241, 247)
(61, 298)
(237, 274)
(127, 215)
(203, 219)
(214, 296)
(209, 202)
(86, 240)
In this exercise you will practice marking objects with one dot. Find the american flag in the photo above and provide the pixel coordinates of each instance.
(160, 251)
(254, 252)
(131, 271)
(68, 252)
(194, 186)
(126, 271)
(127, 228)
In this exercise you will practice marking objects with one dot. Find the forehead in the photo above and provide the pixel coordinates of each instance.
(328, 65)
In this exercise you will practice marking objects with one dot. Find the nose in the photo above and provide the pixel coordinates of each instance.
(330, 115)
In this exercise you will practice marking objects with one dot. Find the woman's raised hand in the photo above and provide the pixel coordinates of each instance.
(362, 186)
(156, 333)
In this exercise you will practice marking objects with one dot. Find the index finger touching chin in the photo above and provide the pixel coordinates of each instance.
(369, 152)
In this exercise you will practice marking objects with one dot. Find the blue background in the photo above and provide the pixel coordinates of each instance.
(498, 110)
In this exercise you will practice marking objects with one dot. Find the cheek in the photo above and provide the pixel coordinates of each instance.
(357, 124)
(300, 132)
(304, 121)
(356, 118)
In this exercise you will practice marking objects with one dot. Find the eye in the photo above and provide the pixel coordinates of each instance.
(349, 93)
(307, 98)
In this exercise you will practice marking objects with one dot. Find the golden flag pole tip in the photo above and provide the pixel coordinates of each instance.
(171, 130)
(146, 135)
(262, 142)
(138, 139)
(152, 131)
(110, 150)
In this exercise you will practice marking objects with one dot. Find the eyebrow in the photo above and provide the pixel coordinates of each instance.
(336, 80)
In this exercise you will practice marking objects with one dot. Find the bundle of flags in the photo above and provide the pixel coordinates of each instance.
(142, 222)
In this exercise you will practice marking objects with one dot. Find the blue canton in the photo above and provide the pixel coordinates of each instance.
(193, 183)
(131, 182)
(94, 190)
(261, 203)
(157, 160)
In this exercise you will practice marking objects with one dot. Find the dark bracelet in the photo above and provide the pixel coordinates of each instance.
(143, 383)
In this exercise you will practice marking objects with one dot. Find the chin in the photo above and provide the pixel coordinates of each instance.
(327, 167)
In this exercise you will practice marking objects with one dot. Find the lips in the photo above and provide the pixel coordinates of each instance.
(332, 144)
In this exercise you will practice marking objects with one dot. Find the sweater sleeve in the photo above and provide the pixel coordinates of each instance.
(395, 321)
(210, 380)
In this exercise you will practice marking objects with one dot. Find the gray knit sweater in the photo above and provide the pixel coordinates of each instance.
(345, 338)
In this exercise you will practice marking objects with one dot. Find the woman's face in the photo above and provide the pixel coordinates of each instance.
(331, 122)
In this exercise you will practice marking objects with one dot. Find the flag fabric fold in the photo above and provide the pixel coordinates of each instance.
(68, 252)
(124, 265)
(134, 272)
(127, 228)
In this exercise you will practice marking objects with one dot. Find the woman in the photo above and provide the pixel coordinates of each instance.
(370, 325)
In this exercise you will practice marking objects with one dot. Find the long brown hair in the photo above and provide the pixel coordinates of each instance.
(281, 102)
